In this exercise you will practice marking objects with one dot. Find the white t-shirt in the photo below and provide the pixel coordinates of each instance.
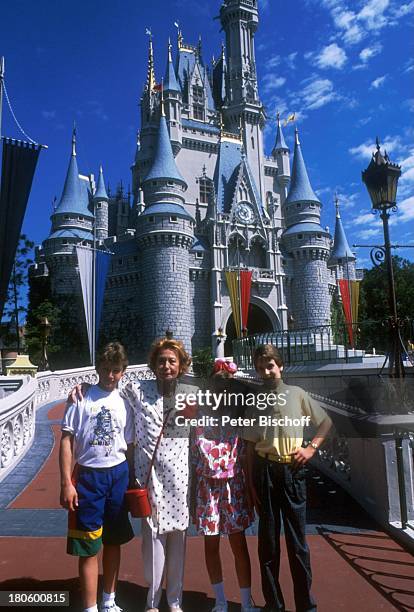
(102, 425)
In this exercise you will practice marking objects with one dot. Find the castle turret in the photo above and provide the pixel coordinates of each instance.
(101, 208)
(342, 259)
(173, 103)
(165, 234)
(72, 224)
(308, 246)
(239, 20)
(280, 154)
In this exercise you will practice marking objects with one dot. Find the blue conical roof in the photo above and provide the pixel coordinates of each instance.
(100, 193)
(170, 80)
(280, 143)
(341, 249)
(164, 166)
(73, 198)
(300, 188)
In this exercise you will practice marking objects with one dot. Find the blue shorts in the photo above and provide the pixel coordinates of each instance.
(101, 516)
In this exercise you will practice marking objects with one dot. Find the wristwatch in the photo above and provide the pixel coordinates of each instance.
(314, 445)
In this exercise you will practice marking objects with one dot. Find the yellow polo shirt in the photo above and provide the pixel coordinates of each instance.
(278, 429)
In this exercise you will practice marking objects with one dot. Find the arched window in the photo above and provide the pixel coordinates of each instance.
(206, 189)
(198, 102)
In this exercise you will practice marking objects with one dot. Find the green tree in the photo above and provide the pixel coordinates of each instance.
(374, 306)
(15, 305)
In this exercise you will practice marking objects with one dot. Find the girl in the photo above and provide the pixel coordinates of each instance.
(221, 504)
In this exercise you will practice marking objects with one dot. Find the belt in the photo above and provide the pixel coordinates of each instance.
(276, 458)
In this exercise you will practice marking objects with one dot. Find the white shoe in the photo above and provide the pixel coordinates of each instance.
(220, 607)
(110, 608)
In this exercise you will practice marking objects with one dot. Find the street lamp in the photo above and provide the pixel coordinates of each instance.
(45, 329)
(381, 179)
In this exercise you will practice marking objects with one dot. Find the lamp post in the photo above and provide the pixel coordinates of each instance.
(45, 329)
(381, 179)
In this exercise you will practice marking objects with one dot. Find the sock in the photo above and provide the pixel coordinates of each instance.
(246, 597)
(91, 609)
(219, 592)
(108, 598)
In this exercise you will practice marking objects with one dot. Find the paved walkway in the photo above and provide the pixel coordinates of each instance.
(356, 566)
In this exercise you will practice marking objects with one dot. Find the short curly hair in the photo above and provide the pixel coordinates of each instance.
(172, 345)
(113, 353)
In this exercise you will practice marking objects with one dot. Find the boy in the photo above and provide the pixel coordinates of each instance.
(95, 433)
(276, 478)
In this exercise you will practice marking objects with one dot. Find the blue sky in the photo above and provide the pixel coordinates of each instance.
(345, 68)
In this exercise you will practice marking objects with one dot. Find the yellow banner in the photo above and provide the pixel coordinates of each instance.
(354, 300)
(232, 279)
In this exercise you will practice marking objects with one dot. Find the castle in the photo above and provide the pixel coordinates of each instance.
(205, 199)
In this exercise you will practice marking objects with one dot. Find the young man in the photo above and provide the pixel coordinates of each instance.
(95, 434)
(276, 478)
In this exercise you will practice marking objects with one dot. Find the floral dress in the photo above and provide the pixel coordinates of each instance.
(220, 488)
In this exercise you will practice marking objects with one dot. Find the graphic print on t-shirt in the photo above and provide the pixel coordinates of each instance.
(103, 430)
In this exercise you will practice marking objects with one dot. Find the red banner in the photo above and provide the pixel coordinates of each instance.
(245, 286)
(346, 305)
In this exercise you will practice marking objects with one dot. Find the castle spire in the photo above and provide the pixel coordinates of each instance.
(170, 80)
(341, 249)
(100, 193)
(280, 144)
(300, 187)
(151, 82)
(163, 165)
(72, 199)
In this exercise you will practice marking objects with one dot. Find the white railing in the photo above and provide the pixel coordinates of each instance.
(17, 409)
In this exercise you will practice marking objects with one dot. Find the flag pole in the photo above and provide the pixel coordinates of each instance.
(94, 285)
(1, 89)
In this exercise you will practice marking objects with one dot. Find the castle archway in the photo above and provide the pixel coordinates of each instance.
(259, 321)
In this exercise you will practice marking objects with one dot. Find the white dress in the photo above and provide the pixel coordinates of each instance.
(168, 482)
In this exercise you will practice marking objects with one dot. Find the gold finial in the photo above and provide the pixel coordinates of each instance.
(151, 82)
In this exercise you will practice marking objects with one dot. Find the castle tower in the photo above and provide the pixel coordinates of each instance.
(101, 208)
(280, 154)
(72, 224)
(172, 103)
(308, 247)
(239, 20)
(342, 259)
(149, 126)
(165, 234)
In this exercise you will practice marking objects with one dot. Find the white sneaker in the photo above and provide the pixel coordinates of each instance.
(110, 608)
(220, 607)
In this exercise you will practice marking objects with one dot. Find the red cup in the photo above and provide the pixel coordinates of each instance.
(138, 503)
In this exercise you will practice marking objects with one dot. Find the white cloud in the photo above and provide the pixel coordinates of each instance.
(404, 9)
(317, 93)
(331, 56)
(365, 150)
(291, 59)
(406, 210)
(378, 82)
(271, 82)
(273, 61)
(368, 233)
(370, 52)
(372, 14)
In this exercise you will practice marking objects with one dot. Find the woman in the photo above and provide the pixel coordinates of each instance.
(164, 532)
